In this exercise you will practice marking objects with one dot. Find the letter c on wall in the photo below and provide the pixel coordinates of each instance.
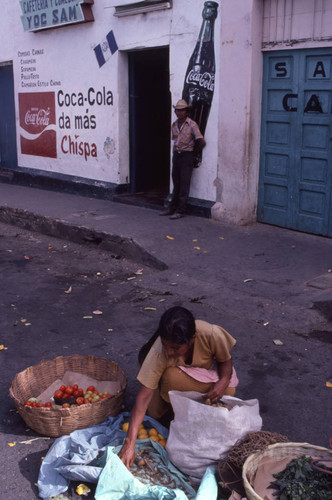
(285, 104)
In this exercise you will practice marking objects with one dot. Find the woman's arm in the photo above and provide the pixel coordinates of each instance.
(225, 372)
(143, 399)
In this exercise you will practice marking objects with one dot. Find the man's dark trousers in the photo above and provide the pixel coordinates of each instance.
(181, 176)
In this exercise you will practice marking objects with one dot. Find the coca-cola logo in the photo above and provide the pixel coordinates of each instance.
(204, 80)
(39, 117)
(38, 124)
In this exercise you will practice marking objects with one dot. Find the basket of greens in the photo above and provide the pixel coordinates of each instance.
(289, 471)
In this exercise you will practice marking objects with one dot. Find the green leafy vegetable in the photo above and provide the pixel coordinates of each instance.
(301, 481)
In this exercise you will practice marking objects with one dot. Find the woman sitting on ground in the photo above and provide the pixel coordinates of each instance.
(183, 355)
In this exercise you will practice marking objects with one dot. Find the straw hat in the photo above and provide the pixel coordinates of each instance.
(182, 104)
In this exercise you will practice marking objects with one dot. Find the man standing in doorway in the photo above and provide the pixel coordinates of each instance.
(187, 138)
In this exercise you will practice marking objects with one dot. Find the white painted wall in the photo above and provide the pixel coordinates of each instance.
(67, 58)
(179, 29)
(185, 25)
(297, 23)
(7, 26)
(240, 75)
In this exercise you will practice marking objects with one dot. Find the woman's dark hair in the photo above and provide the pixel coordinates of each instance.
(177, 325)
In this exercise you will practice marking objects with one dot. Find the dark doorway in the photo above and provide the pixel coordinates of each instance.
(8, 151)
(149, 118)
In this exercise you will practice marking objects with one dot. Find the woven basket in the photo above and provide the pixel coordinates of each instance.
(276, 452)
(58, 422)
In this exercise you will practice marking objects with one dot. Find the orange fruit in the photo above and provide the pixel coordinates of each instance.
(142, 435)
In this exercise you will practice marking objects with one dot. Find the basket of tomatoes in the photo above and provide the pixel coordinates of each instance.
(53, 407)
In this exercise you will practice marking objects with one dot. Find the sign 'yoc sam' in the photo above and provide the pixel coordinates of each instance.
(43, 14)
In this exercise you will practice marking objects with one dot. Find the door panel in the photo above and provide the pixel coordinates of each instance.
(295, 169)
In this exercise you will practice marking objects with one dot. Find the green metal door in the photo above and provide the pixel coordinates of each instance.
(296, 141)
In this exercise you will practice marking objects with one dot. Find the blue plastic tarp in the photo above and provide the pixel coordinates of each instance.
(116, 481)
(85, 454)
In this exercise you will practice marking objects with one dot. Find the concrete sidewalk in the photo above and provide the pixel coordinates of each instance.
(90, 219)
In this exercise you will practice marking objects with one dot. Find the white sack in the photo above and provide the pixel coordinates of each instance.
(200, 435)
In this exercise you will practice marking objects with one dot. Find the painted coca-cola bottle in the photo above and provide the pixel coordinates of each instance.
(200, 75)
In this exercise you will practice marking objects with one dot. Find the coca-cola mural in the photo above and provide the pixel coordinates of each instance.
(199, 80)
(37, 124)
(70, 120)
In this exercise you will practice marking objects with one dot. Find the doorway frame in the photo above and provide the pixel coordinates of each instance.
(136, 157)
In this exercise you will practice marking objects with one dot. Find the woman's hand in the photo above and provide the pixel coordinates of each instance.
(143, 399)
(218, 389)
(127, 454)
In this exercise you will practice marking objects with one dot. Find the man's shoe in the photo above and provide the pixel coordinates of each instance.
(177, 215)
(168, 212)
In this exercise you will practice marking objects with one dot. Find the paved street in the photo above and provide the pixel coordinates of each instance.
(260, 283)
(40, 321)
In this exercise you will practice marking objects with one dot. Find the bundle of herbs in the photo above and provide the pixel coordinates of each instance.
(301, 481)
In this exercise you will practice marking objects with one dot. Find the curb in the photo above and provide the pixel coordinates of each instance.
(120, 246)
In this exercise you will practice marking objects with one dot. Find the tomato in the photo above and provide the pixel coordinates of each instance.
(80, 400)
(66, 395)
(75, 387)
(39, 405)
(69, 389)
(62, 388)
(28, 403)
(48, 404)
(58, 394)
(91, 388)
(76, 394)
(66, 405)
